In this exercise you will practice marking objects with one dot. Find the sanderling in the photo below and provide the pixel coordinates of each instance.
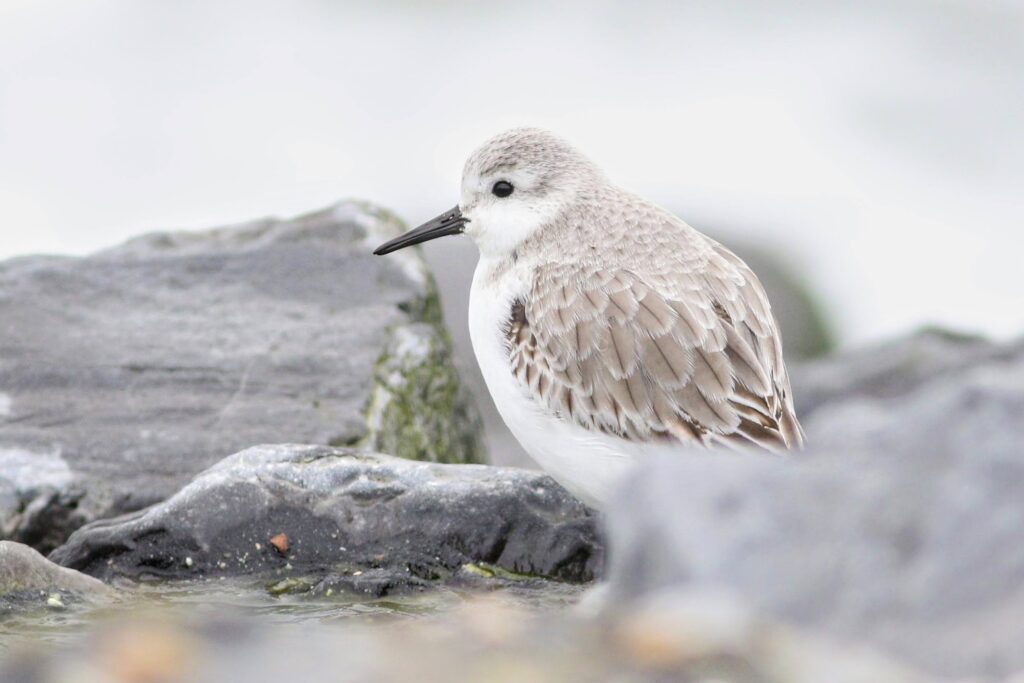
(606, 328)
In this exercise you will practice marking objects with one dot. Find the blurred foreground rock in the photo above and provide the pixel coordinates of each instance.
(902, 527)
(680, 637)
(124, 374)
(348, 520)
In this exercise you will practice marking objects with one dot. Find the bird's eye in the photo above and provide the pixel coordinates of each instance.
(502, 188)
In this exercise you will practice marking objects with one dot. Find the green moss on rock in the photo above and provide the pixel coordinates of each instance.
(419, 408)
(493, 571)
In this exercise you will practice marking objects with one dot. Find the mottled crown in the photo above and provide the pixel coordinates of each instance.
(533, 148)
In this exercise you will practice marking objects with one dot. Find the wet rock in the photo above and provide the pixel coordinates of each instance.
(38, 498)
(125, 373)
(901, 528)
(345, 513)
(29, 581)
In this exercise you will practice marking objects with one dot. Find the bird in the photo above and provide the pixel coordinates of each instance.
(608, 330)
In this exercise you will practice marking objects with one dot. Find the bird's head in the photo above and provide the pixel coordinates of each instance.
(512, 185)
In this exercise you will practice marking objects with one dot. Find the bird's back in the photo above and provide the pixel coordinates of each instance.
(638, 326)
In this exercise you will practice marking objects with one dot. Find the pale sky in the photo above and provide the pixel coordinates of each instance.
(879, 144)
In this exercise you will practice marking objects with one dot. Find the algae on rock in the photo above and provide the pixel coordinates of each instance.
(419, 408)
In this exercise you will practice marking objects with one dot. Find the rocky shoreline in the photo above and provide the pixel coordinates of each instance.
(889, 551)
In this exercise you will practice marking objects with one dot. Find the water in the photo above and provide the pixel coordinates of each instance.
(254, 604)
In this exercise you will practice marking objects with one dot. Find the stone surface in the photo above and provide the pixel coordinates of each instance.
(38, 498)
(365, 518)
(30, 583)
(125, 373)
(24, 568)
(972, 410)
(901, 528)
(893, 368)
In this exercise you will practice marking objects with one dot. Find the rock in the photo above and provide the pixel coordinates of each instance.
(900, 529)
(975, 410)
(417, 398)
(29, 579)
(345, 513)
(685, 630)
(124, 374)
(892, 369)
(38, 498)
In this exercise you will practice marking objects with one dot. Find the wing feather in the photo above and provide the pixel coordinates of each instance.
(687, 357)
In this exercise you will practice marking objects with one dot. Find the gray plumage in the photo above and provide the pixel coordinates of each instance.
(635, 324)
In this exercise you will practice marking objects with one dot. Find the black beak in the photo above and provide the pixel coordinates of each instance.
(448, 223)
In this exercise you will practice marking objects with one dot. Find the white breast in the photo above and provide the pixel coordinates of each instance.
(588, 464)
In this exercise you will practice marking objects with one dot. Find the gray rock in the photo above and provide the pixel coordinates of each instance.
(892, 369)
(38, 498)
(972, 411)
(344, 512)
(24, 570)
(902, 528)
(124, 374)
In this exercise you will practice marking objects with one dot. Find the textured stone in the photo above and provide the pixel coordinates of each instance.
(124, 374)
(343, 512)
(29, 583)
(23, 568)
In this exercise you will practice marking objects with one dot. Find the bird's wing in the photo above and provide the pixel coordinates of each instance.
(693, 357)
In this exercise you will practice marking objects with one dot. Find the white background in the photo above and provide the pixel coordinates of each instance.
(879, 144)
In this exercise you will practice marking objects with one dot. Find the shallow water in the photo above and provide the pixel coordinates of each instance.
(254, 603)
